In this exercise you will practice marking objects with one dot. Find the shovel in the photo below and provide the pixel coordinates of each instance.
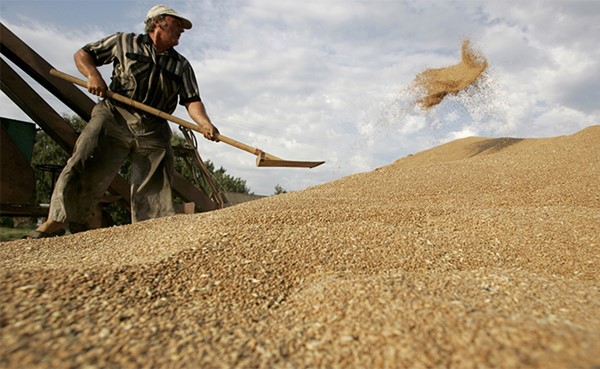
(262, 158)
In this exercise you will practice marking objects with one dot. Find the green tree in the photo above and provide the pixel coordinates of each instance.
(279, 190)
(227, 182)
(48, 158)
(223, 181)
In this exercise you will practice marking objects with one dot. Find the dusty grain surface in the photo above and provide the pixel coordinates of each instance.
(481, 253)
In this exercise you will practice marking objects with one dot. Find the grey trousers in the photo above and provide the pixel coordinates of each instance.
(113, 135)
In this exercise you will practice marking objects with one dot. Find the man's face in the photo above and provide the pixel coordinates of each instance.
(172, 28)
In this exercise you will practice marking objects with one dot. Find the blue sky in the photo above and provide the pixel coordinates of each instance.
(330, 79)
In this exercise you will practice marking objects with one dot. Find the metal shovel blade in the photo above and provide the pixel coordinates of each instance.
(287, 163)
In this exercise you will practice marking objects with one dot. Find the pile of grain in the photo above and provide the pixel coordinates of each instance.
(478, 253)
(437, 83)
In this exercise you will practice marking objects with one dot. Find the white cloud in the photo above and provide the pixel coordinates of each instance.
(553, 121)
(572, 79)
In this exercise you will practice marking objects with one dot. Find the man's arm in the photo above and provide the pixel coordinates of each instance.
(197, 112)
(86, 66)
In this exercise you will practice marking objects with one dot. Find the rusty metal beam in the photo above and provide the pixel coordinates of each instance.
(38, 68)
(36, 108)
(190, 193)
(10, 210)
(49, 120)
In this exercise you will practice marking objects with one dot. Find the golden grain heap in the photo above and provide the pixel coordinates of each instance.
(480, 253)
(436, 83)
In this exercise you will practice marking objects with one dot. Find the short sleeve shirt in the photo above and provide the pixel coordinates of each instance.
(141, 73)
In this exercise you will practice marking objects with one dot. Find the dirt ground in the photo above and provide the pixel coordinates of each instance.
(480, 253)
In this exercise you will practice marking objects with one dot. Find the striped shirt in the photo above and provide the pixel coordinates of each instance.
(143, 74)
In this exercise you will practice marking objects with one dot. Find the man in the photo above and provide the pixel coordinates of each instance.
(149, 70)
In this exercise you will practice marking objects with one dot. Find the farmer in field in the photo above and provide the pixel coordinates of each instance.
(149, 70)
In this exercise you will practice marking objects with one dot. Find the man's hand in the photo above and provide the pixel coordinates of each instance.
(197, 112)
(211, 132)
(97, 86)
(85, 65)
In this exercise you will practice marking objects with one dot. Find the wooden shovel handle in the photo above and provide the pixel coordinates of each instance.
(163, 115)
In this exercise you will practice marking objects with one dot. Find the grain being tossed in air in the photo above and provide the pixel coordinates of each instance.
(477, 253)
(436, 83)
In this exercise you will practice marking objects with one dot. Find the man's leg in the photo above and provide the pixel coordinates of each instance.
(99, 152)
(151, 195)
(151, 177)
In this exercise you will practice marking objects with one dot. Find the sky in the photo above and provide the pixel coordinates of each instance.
(333, 80)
